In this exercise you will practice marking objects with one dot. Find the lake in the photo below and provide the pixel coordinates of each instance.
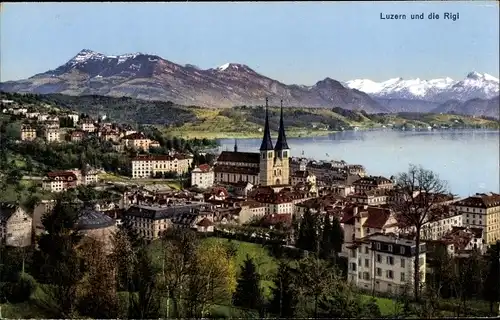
(467, 159)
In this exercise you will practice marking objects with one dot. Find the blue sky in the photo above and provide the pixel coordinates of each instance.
(292, 42)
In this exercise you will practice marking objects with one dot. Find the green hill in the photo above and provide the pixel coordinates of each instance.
(240, 121)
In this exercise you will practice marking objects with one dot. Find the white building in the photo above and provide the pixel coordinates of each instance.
(203, 176)
(384, 263)
(75, 117)
(52, 135)
(149, 166)
(436, 229)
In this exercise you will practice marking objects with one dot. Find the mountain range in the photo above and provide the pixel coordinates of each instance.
(150, 77)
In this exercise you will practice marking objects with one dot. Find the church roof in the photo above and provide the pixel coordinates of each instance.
(246, 157)
(267, 143)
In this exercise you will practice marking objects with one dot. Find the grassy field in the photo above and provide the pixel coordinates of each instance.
(109, 177)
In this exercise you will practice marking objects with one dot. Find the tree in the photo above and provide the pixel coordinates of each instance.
(492, 283)
(144, 302)
(178, 260)
(308, 238)
(61, 264)
(284, 294)
(332, 238)
(98, 292)
(415, 203)
(315, 278)
(248, 293)
(212, 279)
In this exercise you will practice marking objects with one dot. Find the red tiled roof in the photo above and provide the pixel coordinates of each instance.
(135, 136)
(377, 217)
(205, 222)
(246, 157)
(204, 167)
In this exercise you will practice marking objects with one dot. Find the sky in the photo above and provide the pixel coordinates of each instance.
(293, 42)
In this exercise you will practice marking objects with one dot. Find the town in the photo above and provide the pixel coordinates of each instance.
(387, 227)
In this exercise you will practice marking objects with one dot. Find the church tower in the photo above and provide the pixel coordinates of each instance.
(266, 166)
(282, 155)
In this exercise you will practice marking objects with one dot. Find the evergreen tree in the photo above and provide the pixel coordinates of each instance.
(326, 246)
(248, 293)
(308, 237)
(336, 236)
(492, 284)
(285, 293)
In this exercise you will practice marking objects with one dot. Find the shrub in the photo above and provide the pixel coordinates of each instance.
(20, 290)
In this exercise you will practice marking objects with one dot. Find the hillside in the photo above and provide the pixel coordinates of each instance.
(150, 77)
(241, 121)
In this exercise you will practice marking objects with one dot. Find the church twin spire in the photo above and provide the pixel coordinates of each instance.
(281, 143)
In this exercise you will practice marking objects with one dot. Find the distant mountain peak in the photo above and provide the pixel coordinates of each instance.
(234, 67)
(481, 76)
(86, 54)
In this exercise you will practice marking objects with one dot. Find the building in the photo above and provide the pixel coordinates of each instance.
(77, 136)
(28, 133)
(98, 226)
(371, 183)
(303, 176)
(481, 210)
(57, 181)
(202, 176)
(136, 140)
(384, 263)
(151, 221)
(462, 241)
(147, 166)
(87, 125)
(269, 167)
(434, 230)
(52, 134)
(15, 225)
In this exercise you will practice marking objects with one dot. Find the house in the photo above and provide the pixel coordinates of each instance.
(384, 263)
(434, 230)
(481, 210)
(87, 125)
(371, 183)
(28, 133)
(151, 221)
(52, 135)
(77, 136)
(202, 176)
(57, 181)
(146, 166)
(251, 210)
(205, 225)
(74, 117)
(15, 225)
(136, 140)
(373, 197)
(303, 176)
(461, 241)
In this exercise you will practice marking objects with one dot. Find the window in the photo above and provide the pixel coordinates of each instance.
(360, 275)
(389, 274)
(390, 248)
(366, 276)
(390, 260)
(366, 250)
(403, 277)
(379, 258)
(367, 263)
(402, 250)
(402, 263)
(378, 246)
(379, 272)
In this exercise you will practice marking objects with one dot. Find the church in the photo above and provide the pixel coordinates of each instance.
(268, 167)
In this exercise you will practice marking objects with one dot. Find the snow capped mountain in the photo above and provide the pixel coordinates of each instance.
(475, 85)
